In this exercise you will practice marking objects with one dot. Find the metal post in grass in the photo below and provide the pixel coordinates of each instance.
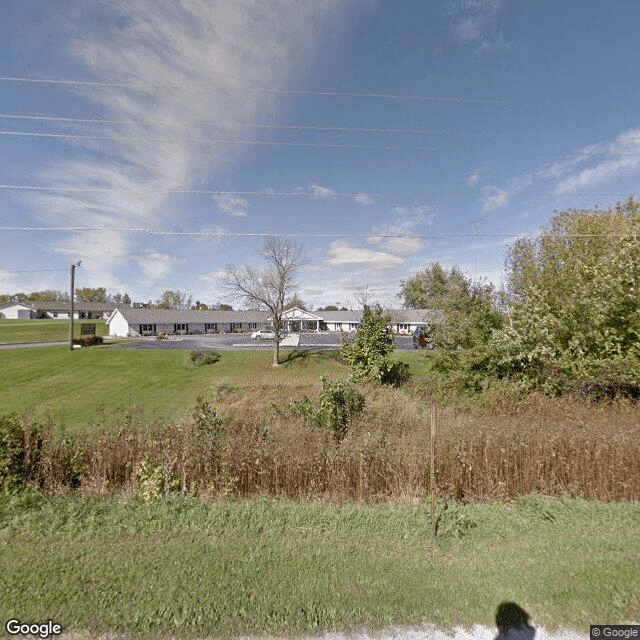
(434, 429)
(71, 309)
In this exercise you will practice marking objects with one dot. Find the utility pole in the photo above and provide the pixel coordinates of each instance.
(434, 431)
(71, 309)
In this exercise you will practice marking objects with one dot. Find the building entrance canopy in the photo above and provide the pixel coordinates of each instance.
(300, 320)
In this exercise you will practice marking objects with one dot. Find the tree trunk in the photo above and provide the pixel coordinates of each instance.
(276, 353)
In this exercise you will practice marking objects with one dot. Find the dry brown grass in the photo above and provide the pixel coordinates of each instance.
(547, 446)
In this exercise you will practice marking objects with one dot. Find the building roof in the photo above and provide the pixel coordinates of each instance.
(154, 316)
(64, 307)
(185, 316)
(8, 305)
(412, 316)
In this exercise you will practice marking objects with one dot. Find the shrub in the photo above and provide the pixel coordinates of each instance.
(201, 357)
(206, 419)
(338, 403)
(369, 356)
(20, 447)
(88, 341)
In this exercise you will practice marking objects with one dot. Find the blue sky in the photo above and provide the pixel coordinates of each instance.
(388, 135)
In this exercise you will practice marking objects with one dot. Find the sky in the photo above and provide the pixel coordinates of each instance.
(157, 141)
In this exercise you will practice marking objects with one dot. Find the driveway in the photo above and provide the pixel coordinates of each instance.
(323, 340)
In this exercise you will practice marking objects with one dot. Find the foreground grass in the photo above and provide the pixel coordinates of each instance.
(73, 386)
(187, 568)
(44, 330)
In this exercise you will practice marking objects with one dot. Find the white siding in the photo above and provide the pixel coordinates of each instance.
(118, 326)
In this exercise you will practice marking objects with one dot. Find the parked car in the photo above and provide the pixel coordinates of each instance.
(422, 340)
(263, 334)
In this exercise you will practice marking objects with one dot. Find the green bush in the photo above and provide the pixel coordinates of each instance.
(338, 403)
(20, 447)
(369, 355)
(88, 341)
(202, 357)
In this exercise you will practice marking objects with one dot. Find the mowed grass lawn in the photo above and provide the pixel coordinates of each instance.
(73, 386)
(183, 568)
(43, 330)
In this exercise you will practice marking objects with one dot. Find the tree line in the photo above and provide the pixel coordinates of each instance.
(568, 319)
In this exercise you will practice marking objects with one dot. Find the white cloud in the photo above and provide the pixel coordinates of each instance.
(472, 179)
(232, 205)
(214, 276)
(622, 159)
(407, 220)
(470, 29)
(163, 53)
(156, 265)
(343, 254)
(363, 198)
(582, 169)
(493, 199)
(496, 46)
(318, 191)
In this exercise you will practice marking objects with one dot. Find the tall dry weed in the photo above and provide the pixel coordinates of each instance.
(248, 442)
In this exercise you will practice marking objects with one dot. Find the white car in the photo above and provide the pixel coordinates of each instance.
(263, 334)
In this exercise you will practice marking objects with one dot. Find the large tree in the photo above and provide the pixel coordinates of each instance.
(575, 306)
(470, 310)
(175, 300)
(91, 294)
(270, 286)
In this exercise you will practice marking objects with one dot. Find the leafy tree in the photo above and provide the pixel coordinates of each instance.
(575, 312)
(121, 299)
(470, 310)
(430, 287)
(329, 307)
(88, 294)
(200, 306)
(175, 300)
(45, 296)
(223, 307)
(339, 402)
(369, 355)
(269, 287)
(296, 301)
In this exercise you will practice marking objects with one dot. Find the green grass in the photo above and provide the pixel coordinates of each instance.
(184, 568)
(73, 386)
(44, 330)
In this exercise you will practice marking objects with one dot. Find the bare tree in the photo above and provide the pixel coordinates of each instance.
(269, 287)
(364, 295)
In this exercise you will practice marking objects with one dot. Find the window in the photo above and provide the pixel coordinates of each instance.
(211, 326)
(180, 327)
(403, 328)
(147, 328)
(252, 325)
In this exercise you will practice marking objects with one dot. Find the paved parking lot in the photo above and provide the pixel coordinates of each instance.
(322, 340)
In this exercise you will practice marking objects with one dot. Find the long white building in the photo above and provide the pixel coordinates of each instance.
(127, 321)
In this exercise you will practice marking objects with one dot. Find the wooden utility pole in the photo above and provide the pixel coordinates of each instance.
(434, 430)
(71, 308)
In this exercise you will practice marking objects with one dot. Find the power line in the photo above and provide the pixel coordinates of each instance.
(295, 92)
(270, 143)
(279, 143)
(261, 234)
(251, 125)
(31, 270)
(213, 192)
(264, 193)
